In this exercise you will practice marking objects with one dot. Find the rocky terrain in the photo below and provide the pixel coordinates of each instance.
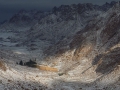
(73, 47)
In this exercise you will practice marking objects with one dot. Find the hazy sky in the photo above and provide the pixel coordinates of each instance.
(10, 7)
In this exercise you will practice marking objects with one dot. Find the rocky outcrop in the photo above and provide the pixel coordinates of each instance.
(98, 42)
(109, 61)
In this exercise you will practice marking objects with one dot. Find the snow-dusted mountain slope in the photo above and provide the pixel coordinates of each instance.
(64, 22)
(81, 41)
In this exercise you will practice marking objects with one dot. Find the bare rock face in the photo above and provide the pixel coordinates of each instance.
(111, 29)
(98, 42)
(109, 61)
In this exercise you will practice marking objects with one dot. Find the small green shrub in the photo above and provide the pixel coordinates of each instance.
(21, 63)
(31, 63)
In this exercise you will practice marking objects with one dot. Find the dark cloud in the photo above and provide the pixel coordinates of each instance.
(9, 7)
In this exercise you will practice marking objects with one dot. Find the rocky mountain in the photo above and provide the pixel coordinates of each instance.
(64, 22)
(94, 50)
(81, 43)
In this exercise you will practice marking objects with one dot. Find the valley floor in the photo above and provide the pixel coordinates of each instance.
(17, 77)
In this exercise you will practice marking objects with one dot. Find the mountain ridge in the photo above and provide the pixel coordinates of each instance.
(80, 41)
